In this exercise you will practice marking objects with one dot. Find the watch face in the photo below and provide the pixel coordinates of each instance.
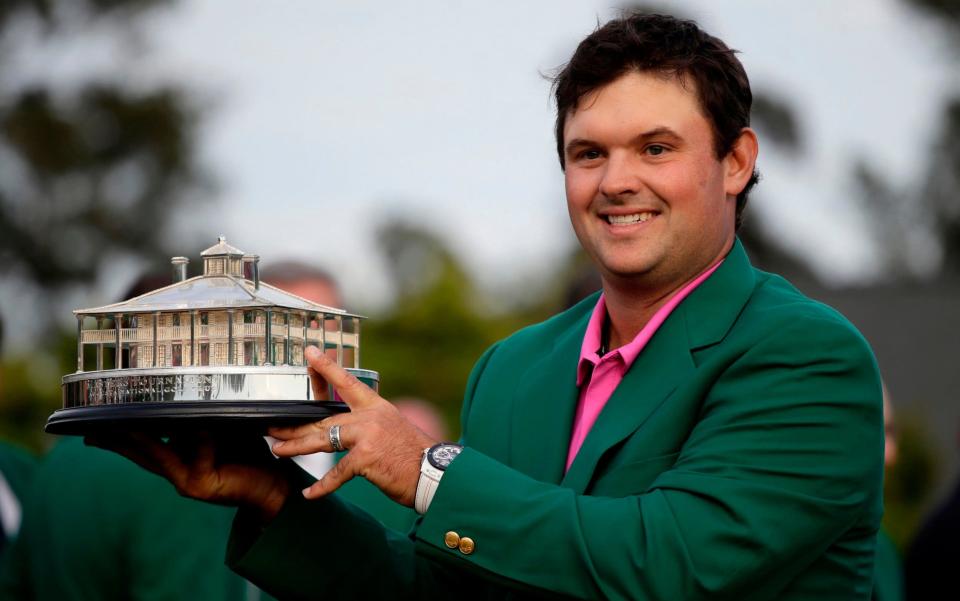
(441, 455)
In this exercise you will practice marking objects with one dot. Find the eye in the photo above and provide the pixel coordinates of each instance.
(589, 154)
(656, 149)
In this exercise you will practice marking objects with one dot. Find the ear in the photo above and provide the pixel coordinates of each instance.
(740, 161)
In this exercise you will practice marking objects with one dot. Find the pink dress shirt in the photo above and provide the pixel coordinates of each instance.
(609, 370)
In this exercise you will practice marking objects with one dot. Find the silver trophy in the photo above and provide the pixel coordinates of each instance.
(222, 348)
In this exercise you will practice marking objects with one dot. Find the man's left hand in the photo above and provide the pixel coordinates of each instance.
(383, 446)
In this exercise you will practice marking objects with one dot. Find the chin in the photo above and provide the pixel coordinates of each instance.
(624, 272)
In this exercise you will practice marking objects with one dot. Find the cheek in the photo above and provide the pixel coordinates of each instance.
(690, 186)
(676, 184)
(581, 187)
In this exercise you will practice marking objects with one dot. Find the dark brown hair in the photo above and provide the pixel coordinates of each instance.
(671, 46)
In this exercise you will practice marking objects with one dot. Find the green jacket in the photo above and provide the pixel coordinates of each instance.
(740, 458)
(17, 467)
(97, 527)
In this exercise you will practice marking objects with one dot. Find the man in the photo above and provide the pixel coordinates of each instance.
(17, 467)
(701, 430)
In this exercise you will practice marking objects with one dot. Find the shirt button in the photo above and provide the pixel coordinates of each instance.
(452, 539)
(467, 545)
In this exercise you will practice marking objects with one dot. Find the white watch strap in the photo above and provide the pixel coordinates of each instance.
(426, 485)
(426, 488)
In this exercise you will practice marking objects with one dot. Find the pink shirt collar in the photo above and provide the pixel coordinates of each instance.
(628, 353)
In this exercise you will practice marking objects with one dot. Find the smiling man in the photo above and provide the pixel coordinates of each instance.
(700, 430)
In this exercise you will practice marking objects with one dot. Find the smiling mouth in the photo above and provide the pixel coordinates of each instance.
(629, 219)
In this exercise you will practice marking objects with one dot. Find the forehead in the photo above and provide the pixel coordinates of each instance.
(638, 99)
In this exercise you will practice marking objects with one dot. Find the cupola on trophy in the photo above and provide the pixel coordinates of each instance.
(221, 348)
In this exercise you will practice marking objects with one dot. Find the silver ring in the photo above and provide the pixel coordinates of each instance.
(335, 438)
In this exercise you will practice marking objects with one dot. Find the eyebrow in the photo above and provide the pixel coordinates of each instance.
(657, 132)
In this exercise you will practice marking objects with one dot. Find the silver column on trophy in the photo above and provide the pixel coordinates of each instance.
(219, 348)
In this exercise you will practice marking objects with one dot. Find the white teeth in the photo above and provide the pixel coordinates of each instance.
(628, 219)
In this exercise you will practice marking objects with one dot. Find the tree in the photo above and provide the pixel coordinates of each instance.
(90, 169)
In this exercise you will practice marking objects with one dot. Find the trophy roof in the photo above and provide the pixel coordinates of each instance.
(221, 248)
(213, 292)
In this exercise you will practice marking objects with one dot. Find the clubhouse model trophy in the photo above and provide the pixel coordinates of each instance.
(221, 349)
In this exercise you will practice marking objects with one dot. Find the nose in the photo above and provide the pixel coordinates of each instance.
(621, 176)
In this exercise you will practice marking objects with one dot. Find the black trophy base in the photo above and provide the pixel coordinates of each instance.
(164, 417)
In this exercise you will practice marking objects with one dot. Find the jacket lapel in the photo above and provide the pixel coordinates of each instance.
(544, 404)
(657, 371)
(702, 319)
(711, 310)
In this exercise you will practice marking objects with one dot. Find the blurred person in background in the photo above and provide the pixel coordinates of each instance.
(932, 558)
(888, 570)
(17, 467)
(96, 526)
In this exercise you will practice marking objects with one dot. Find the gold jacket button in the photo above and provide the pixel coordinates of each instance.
(452, 539)
(467, 545)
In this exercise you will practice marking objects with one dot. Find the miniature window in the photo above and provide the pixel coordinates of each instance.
(351, 329)
(333, 337)
(219, 354)
(216, 266)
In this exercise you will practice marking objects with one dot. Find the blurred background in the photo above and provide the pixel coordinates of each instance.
(409, 153)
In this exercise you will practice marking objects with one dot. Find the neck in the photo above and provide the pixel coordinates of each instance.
(628, 312)
(632, 303)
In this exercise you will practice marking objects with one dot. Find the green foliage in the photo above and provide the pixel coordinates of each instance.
(426, 345)
(946, 10)
(101, 171)
(92, 168)
(30, 391)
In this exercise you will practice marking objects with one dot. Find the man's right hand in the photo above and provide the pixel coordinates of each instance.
(203, 469)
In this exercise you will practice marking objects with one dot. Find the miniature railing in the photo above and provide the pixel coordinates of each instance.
(247, 330)
(332, 338)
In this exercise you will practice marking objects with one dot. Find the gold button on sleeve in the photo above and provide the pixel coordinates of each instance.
(467, 545)
(452, 539)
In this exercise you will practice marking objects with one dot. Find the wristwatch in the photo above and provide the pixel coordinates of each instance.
(435, 462)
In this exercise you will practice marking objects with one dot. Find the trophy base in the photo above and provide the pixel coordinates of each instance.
(168, 400)
(165, 418)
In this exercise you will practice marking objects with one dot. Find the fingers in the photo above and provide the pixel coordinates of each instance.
(322, 426)
(342, 472)
(321, 392)
(312, 438)
(355, 393)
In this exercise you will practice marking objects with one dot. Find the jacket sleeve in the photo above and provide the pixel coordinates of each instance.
(784, 459)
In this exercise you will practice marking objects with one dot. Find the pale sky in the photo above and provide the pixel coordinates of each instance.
(324, 118)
